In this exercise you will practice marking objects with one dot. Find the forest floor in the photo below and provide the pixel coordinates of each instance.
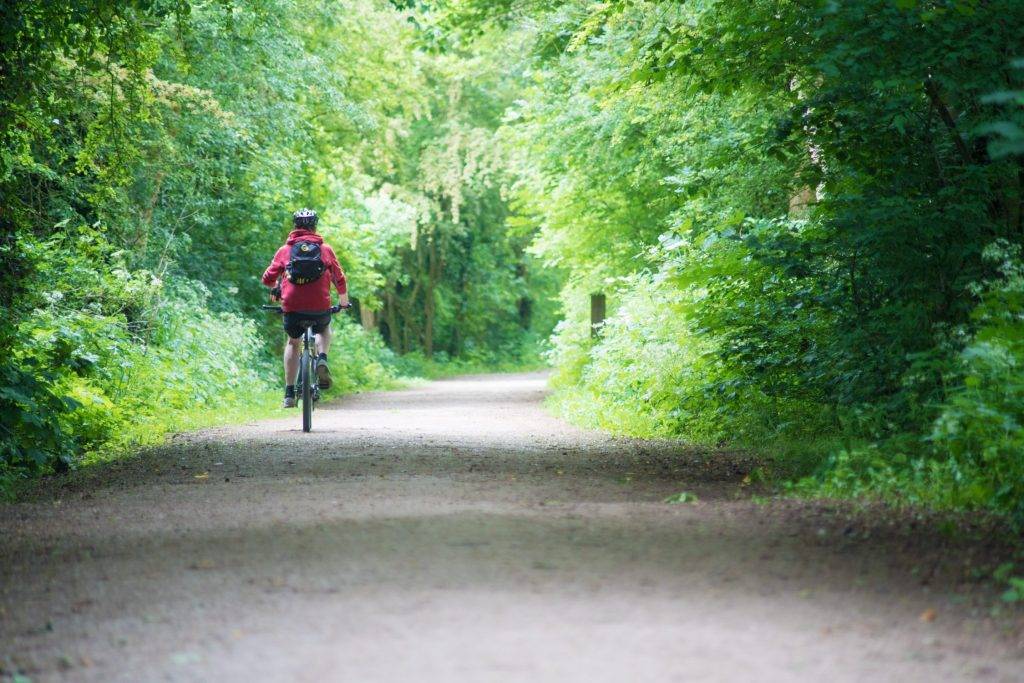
(457, 531)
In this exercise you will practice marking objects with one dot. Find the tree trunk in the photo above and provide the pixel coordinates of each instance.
(394, 336)
(428, 301)
(597, 314)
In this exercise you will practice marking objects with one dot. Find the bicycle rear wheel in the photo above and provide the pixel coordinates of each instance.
(307, 379)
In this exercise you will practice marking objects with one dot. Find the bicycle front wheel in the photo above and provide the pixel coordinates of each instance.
(305, 371)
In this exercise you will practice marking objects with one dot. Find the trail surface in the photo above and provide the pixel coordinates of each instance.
(457, 532)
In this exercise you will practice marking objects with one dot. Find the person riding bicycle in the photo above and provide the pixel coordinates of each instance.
(300, 276)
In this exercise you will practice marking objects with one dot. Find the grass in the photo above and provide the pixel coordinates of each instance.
(784, 460)
(264, 405)
(156, 429)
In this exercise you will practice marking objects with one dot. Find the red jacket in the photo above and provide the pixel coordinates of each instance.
(312, 296)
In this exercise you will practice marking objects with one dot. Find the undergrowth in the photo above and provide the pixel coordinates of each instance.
(650, 375)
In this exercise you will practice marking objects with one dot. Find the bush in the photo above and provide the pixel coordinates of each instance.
(650, 373)
(359, 359)
(106, 357)
(980, 433)
(973, 455)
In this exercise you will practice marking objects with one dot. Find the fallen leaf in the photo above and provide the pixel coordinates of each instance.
(928, 615)
(203, 564)
(203, 475)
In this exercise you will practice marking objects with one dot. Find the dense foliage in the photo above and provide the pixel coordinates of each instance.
(807, 216)
(152, 153)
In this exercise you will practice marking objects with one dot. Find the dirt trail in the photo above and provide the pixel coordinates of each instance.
(458, 532)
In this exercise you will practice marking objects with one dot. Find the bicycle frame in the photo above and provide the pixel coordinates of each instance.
(307, 388)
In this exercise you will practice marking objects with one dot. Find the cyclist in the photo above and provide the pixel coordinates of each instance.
(300, 276)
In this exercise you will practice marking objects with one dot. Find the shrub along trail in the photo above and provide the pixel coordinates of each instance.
(458, 532)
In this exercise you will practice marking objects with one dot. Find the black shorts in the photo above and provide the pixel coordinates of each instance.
(295, 323)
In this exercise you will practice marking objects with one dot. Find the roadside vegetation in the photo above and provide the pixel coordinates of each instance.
(806, 218)
(152, 154)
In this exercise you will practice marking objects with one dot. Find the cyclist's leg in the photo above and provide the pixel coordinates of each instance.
(293, 331)
(323, 344)
(292, 350)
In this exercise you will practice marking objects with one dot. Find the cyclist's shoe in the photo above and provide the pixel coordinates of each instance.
(289, 402)
(323, 373)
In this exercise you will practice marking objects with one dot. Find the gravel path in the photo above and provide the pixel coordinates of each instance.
(457, 532)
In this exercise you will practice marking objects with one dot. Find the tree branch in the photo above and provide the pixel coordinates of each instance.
(932, 91)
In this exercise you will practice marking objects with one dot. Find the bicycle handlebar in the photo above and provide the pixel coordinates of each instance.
(332, 310)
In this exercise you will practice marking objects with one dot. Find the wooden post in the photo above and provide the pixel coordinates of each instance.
(597, 313)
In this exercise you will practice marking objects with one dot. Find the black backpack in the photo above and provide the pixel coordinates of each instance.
(305, 263)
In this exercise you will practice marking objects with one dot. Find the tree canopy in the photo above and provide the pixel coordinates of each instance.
(152, 155)
(806, 213)
(806, 216)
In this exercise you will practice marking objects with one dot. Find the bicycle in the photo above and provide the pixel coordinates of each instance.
(306, 385)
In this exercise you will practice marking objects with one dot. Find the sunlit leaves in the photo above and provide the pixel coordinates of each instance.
(817, 181)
